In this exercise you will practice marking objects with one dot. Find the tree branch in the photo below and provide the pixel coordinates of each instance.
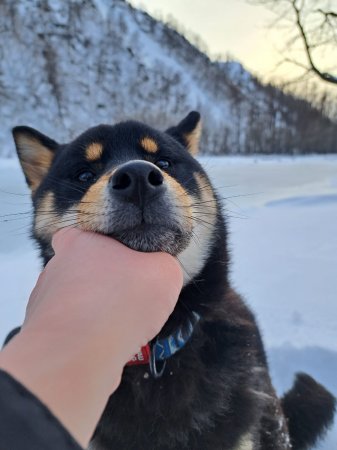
(328, 14)
(325, 76)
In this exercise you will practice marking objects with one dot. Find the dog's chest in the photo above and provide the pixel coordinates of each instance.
(146, 413)
(188, 408)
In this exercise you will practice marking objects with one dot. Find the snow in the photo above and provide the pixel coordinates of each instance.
(103, 7)
(65, 63)
(236, 71)
(282, 218)
(122, 50)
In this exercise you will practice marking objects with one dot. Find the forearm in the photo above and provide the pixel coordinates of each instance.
(85, 320)
(72, 385)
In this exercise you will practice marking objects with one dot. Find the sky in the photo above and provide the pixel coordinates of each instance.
(226, 26)
(235, 27)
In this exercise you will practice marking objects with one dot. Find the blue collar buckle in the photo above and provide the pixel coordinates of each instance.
(162, 349)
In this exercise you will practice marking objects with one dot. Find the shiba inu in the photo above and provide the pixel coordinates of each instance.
(203, 383)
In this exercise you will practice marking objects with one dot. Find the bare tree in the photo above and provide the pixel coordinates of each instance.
(313, 23)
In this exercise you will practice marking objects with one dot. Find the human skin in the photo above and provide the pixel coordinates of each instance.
(94, 305)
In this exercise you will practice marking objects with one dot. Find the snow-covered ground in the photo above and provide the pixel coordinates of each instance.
(283, 222)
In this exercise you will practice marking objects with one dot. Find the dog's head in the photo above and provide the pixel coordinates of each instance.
(129, 181)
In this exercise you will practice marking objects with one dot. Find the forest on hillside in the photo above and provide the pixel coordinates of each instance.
(67, 66)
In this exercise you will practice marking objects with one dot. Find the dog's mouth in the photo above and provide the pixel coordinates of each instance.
(156, 226)
(147, 237)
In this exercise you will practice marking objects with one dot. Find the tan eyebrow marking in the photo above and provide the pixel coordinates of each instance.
(94, 151)
(149, 145)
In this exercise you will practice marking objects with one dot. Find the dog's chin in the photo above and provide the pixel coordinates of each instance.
(152, 238)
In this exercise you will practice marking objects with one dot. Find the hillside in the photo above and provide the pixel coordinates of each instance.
(66, 66)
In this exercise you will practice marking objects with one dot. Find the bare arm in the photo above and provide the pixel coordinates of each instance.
(96, 303)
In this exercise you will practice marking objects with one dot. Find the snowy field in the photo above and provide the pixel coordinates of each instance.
(283, 222)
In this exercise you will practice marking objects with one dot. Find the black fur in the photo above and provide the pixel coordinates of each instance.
(215, 393)
(310, 409)
(186, 126)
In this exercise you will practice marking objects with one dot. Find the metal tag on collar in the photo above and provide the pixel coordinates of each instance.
(155, 371)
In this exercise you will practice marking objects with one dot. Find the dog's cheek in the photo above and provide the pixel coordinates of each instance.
(46, 218)
(95, 207)
(180, 201)
(204, 216)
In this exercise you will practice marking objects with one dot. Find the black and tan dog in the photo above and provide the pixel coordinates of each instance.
(203, 384)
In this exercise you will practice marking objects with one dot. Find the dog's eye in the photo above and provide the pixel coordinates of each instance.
(86, 176)
(163, 164)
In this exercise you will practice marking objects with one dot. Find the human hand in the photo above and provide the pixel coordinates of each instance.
(95, 304)
(103, 294)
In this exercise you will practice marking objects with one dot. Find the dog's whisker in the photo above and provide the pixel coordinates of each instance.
(15, 193)
(24, 216)
(16, 214)
(56, 223)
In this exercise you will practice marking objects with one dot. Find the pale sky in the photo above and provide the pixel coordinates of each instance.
(241, 29)
(232, 26)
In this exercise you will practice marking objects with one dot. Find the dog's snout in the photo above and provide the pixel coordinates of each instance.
(137, 181)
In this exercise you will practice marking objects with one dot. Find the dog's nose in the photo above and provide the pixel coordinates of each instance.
(137, 182)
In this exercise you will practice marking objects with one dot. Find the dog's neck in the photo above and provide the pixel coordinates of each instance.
(206, 289)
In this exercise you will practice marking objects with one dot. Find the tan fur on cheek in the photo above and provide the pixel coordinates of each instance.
(91, 215)
(48, 221)
(182, 202)
(45, 217)
(94, 152)
(149, 145)
(207, 196)
(203, 212)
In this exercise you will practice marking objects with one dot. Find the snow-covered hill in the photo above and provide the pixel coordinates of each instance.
(65, 66)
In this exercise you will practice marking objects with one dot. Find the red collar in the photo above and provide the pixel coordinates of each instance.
(164, 348)
(142, 357)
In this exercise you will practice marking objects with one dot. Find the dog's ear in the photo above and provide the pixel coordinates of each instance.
(188, 132)
(36, 152)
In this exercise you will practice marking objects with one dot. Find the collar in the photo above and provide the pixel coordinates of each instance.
(161, 349)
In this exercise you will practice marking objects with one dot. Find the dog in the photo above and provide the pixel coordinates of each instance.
(203, 382)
